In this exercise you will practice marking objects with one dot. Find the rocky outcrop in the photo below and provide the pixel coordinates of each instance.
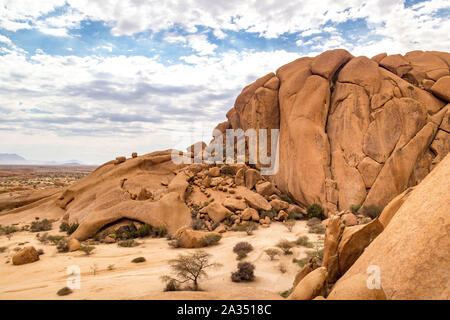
(353, 130)
(25, 255)
(311, 286)
(192, 238)
(411, 253)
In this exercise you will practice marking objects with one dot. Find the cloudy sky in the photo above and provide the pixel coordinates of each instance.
(92, 80)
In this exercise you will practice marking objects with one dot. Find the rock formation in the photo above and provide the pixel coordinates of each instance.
(353, 130)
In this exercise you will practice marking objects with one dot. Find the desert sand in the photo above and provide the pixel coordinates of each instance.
(127, 280)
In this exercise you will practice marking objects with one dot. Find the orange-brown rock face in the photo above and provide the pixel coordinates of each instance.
(353, 130)
(411, 254)
(112, 192)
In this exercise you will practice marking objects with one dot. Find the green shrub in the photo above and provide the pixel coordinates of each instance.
(64, 291)
(315, 211)
(354, 208)
(313, 254)
(197, 224)
(143, 231)
(210, 240)
(317, 229)
(175, 243)
(286, 198)
(272, 253)
(63, 227)
(295, 216)
(313, 222)
(286, 246)
(159, 232)
(138, 260)
(215, 225)
(245, 272)
(7, 230)
(87, 249)
(304, 242)
(44, 225)
(171, 285)
(242, 249)
(194, 210)
(72, 228)
(410, 87)
(372, 211)
(250, 227)
(62, 245)
(286, 293)
(128, 243)
(269, 213)
(289, 224)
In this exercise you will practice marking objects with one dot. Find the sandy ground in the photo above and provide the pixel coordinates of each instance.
(126, 280)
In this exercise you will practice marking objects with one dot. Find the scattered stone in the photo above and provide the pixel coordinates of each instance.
(279, 205)
(120, 160)
(249, 213)
(74, 244)
(25, 255)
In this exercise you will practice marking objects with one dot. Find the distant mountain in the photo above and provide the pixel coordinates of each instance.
(14, 159)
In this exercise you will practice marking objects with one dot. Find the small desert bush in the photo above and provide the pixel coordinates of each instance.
(210, 240)
(269, 213)
(282, 268)
(286, 198)
(354, 208)
(127, 243)
(312, 222)
(286, 293)
(272, 253)
(195, 208)
(289, 224)
(37, 226)
(242, 249)
(159, 232)
(197, 224)
(172, 285)
(372, 211)
(175, 243)
(6, 230)
(286, 246)
(304, 242)
(295, 216)
(64, 291)
(245, 272)
(138, 260)
(315, 211)
(3, 249)
(365, 220)
(215, 225)
(250, 227)
(240, 227)
(317, 229)
(316, 254)
(87, 249)
(69, 228)
(62, 245)
(143, 231)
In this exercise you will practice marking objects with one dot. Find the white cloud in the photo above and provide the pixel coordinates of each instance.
(99, 105)
(4, 39)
